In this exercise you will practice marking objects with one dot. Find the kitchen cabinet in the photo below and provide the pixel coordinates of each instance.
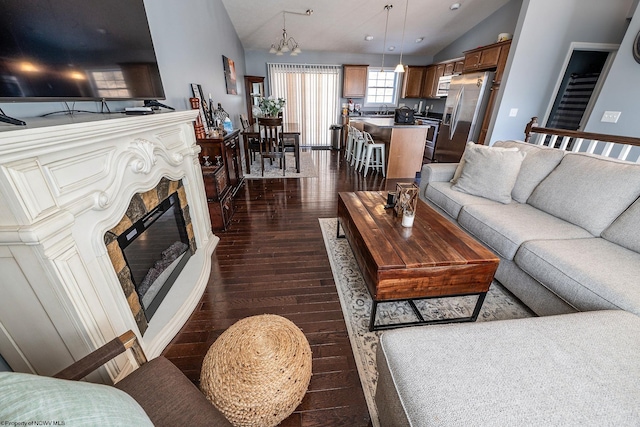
(454, 66)
(458, 66)
(223, 177)
(413, 81)
(431, 76)
(354, 81)
(448, 69)
(485, 57)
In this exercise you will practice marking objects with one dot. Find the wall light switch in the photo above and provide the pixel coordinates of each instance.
(610, 117)
(513, 112)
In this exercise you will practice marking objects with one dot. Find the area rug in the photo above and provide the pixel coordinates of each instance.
(308, 168)
(356, 307)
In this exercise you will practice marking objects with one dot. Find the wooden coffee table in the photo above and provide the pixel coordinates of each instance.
(432, 259)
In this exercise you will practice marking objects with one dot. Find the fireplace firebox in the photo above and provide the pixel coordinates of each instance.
(156, 249)
(150, 247)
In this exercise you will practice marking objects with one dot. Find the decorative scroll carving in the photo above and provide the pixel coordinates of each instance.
(101, 200)
(143, 156)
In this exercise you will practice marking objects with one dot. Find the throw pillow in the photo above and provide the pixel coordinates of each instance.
(538, 164)
(625, 231)
(587, 190)
(489, 173)
(32, 398)
(458, 171)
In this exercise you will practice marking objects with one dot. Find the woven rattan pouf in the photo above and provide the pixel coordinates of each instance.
(257, 371)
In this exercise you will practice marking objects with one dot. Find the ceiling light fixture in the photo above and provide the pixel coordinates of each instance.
(419, 39)
(286, 43)
(400, 67)
(384, 43)
(368, 38)
(455, 6)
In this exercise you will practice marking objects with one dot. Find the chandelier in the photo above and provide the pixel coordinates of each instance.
(286, 43)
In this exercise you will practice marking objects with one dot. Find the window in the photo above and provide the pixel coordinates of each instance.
(382, 87)
(311, 93)
(110, 84)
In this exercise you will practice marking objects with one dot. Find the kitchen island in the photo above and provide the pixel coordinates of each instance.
(404, 144)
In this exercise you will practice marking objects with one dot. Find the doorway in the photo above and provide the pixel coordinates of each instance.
(583, 74)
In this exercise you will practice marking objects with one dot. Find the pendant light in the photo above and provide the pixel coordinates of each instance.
(286, 43)
(384, 43)
(400, 67)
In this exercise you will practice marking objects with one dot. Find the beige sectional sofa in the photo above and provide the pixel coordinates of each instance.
(570, 239)
(568, 236)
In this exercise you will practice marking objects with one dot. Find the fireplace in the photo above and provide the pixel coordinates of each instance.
(69, 188)
(150, 246)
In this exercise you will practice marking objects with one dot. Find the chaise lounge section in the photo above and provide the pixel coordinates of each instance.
(569, 370)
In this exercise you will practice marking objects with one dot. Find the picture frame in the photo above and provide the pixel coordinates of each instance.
(230, 75)
(196, 89)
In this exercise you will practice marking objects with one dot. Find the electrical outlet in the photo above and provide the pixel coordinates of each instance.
(513, 112)
(610, 117)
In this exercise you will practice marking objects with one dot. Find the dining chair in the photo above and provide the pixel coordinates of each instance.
(271, 144)
(253, 144)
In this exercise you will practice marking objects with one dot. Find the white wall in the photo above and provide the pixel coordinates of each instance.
(503, 20)
(542, 37)
(189, 41)
(621, 90)
(256, 60)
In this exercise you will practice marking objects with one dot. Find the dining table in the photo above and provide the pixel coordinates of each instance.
(290, 130)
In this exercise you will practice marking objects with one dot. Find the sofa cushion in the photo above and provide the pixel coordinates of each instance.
(573, 369)
(540, 161)
(593, 273)
(27, 397)
(489, 173)
(446, 198)
(505, 227)
(625, 231)
(589, 191)
(473, 146)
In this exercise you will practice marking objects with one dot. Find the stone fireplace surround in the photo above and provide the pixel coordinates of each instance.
(63, 184)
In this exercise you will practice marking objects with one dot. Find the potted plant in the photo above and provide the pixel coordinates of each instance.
(271, 106)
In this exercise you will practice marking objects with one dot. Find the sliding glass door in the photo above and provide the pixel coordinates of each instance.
(311, 93)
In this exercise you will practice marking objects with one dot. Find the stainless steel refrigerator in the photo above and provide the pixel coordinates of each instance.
(463, 113)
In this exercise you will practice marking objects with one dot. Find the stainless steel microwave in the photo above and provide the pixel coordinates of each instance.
(443, 86)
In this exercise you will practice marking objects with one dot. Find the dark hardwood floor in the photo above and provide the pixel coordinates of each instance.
(273, 260)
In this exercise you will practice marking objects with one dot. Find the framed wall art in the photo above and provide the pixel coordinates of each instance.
(205, 116)
(230, 75)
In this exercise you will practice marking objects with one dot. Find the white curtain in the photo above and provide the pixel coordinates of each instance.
(311, 94)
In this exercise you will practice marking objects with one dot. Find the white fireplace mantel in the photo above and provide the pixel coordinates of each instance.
(63, 183)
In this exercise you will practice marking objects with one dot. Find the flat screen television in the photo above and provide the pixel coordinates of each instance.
(53, 50)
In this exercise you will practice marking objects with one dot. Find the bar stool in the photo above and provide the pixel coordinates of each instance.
(358, 143)
(375, 150)
(350, 137)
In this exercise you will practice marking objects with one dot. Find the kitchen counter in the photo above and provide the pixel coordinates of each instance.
(404, 144)
(384, 122)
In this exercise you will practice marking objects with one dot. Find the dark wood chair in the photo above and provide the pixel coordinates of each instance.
(253, 144)
(271, 144)
(167, 396)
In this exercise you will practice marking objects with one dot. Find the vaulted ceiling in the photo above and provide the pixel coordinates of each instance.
(341, 25)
